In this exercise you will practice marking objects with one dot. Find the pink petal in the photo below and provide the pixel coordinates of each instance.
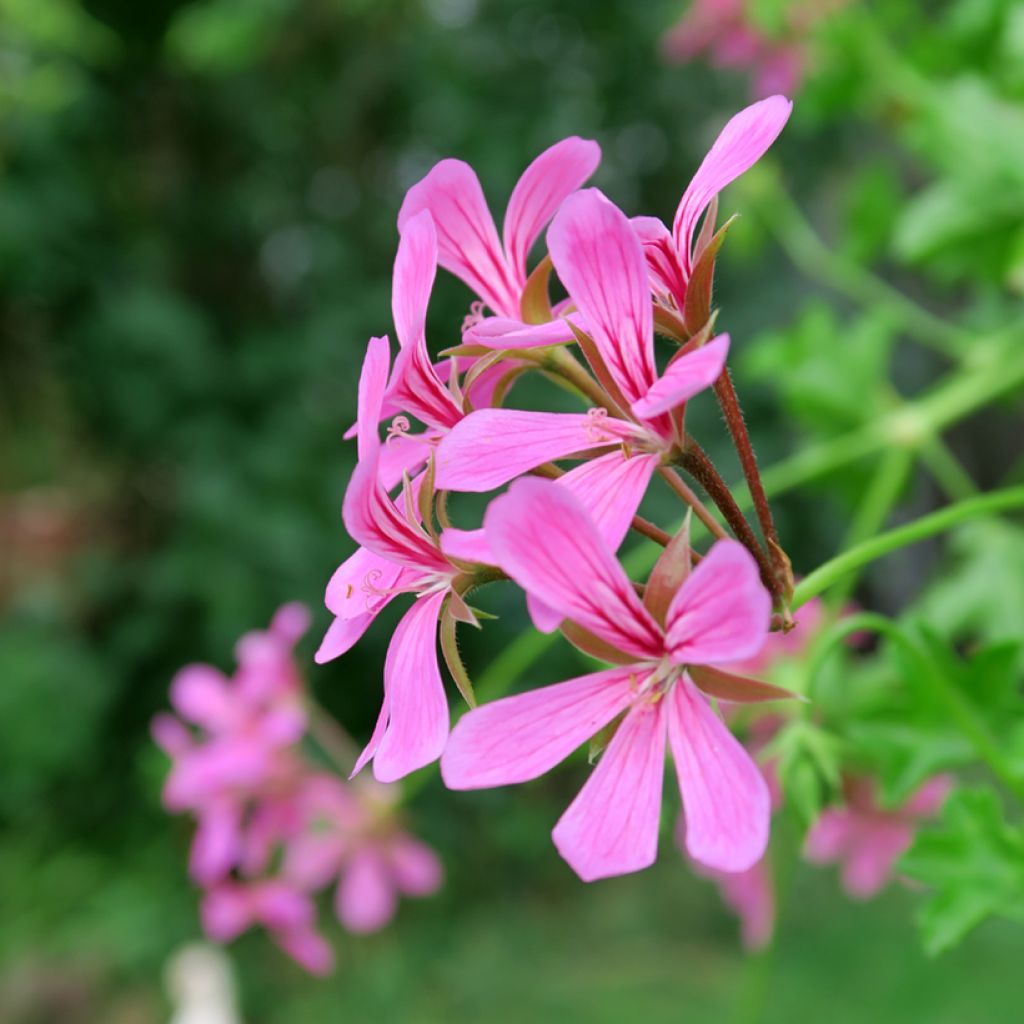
(416, 388)
(831, 836)
(404, 453)
(373, 379)
(342, 635)
(203, 696)
(360, 584)
(225, 912)
(545, 619)
(663, 263)
(870, 862)
(725, 797)
(467, 240)
(544, 539)
(611, 828)
(750, 894)
(283, 907)
(417, 706)
(215, 847)
(492, 446)
(687, 376)
(927, 800)
(520, 738)
(467, 545)
(611, 488)
(499, 332)
(170, 734)
(366, 898)
(722, 612)
(415, 867)
(308, 949)
(742, 142)
(555, 174)
(600, 261)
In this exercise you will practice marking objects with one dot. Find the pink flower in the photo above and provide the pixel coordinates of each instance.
(287, 913)
(750, 895)
(601, 263)
(352, 837)
(546, 542)
(867, 839)
(671, 257)
(469, 245)
(399, 555)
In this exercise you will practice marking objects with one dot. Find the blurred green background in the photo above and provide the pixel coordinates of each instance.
(197, 223)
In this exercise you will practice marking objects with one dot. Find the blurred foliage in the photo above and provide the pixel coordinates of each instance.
(196, 233)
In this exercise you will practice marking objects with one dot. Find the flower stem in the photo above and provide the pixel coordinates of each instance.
(683, 489)
(927, 526)
(729, 403)
(331, 738)
(696, 462)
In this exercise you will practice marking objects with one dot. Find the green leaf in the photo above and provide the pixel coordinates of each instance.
(973, 862)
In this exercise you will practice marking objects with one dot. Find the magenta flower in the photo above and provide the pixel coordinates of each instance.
(469, 245)
(287, 913)
(671, 257)
(601, 263)
(398, 555)
(867, 839)
(544, 539)
(351, 837)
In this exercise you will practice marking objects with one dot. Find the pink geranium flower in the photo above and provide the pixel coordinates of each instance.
(544, 540)
(743, 141)
(351, 837)
(601, 263)
(469, 246)
(867, 839)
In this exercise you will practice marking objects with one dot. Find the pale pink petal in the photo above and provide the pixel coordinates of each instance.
(545, 619)
(417, 706)
(413, 278)
(170, 734)
(687, 376)
(927, 800)
(342, 635)
(373, 380)
(742, 142)
(663, 263)
(500, 332)
(308, 949)
(611, 828)
(492, 446)
(520, 738)
(225, 912)
(203, 696)
(215, 847)
(290, 623)
(725, 798)
(467, 545)
(611, 488)
(600, 261)
(555, 174)
(544, 539)
(377, 735)
(869, 863)
(403, 453)
(361, 584)
(313, 858)
(483, 389)
(467, 240)
(415, 867)
(722, 612)
(831, 836)
(366, 898)
(281, 906)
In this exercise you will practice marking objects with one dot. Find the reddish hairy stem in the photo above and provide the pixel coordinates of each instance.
(695, 461)
(672, 478)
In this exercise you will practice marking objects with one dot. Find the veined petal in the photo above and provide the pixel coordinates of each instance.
(611, 828)
(663, 263)
(413, 277)
(401, 454)
(467, 545)
(373, 379)
(742, 142)
(342, 635)
(600, 261)
(544, 539)
(520, 738)
(492, 446)
(685, 377)
(415, 387)
(417, 707)
(467, 240)
(361, 584)
(500, 332)
(725, 797)
(555, 174)
(611, 488)
(722, 612)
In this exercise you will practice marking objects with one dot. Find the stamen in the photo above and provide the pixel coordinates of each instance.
(400, 427)
(596, 427)
(475, 315)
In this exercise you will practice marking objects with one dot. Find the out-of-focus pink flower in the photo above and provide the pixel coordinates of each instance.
(352, 837)
(865, 838)
(725, 31)
(601, 263)
(671, 256)
(544, 539)
(469, 245)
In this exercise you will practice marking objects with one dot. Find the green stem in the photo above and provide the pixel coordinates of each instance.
(947, 470)
(960, 709)
(927, 526)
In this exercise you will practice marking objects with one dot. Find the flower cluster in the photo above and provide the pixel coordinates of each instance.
(731, 36)
(672, 642)
(273, 828)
